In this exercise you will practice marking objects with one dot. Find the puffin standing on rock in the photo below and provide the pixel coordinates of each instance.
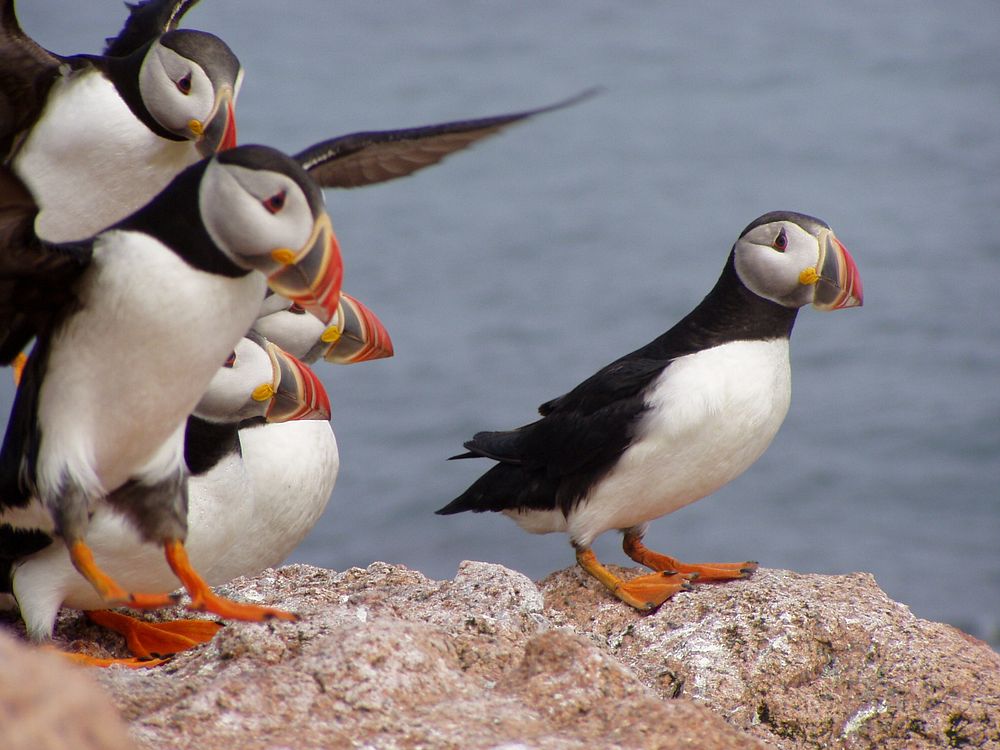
(131, 326)
(259, 388)
(674, 420)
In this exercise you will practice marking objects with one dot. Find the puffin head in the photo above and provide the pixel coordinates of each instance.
(264, 212)
(188, 82)
(354, 333)
(260, 380)
(796, 260)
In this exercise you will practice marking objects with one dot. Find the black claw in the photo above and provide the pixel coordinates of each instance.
(175, 597)
(693, 576)
(686, 586)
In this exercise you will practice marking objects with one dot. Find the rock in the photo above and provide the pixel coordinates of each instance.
(800, 660)
(47, 703)
(386, 658)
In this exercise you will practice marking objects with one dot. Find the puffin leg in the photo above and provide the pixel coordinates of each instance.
(644, 593)
(204, 600)
(109, 589)
(700, 572)
(20, 360)
(154, 640)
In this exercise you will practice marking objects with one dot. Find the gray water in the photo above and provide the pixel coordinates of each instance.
(513, 271)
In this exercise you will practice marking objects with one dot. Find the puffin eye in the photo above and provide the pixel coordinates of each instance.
(276, 202)
(780, 242)
(184, 85)
(230, 360)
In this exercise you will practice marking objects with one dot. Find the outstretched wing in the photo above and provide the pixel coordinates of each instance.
(36, 277)
(146, 21)
(367, 158)
(26, 74)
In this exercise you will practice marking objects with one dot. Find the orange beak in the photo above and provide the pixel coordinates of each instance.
(312, 277)
(357, 335)
(298, 393)
(839, 284)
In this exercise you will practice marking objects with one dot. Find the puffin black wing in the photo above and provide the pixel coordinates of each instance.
(370, 157)
(146, 21)
(620, 380)
(26, 73)
(37, 278)
(551, 463)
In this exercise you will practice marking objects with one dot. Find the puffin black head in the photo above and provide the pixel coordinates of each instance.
(188, 82)
(795, 260)
(264, 212)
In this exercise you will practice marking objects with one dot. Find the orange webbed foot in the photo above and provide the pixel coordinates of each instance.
(696, 572)
(203, 599)
(650, 591)
(207, 601)
(87, 660)
(153, 640)
(644, 593)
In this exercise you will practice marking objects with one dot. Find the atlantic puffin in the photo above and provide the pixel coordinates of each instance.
(130, 326)
(97, 136)
(259, 387)
(271, 484)
(674, 420)
(354, 334)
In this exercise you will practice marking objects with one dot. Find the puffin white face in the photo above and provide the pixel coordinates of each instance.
(261, 380)
(797, 261)
(251, 214)
(230, 394)
(177, 91)
(262, 210)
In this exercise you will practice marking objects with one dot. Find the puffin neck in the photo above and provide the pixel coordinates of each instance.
(206, 443)
(730, 312)
(174, 218)
(123, 72)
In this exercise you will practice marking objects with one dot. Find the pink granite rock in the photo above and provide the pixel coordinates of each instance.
(386, 658)
(800, 660)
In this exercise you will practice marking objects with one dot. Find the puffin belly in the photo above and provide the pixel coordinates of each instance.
(101, 361)
(710, 415)
(90, 162)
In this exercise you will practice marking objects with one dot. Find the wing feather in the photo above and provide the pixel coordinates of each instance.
(366, 158)
(27, 71)
(37, 278)
(146, 21)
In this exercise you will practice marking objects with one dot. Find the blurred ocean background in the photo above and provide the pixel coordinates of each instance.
(512, 271)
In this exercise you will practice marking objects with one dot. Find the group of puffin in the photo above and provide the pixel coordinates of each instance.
(167, 428)
(174, 288)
